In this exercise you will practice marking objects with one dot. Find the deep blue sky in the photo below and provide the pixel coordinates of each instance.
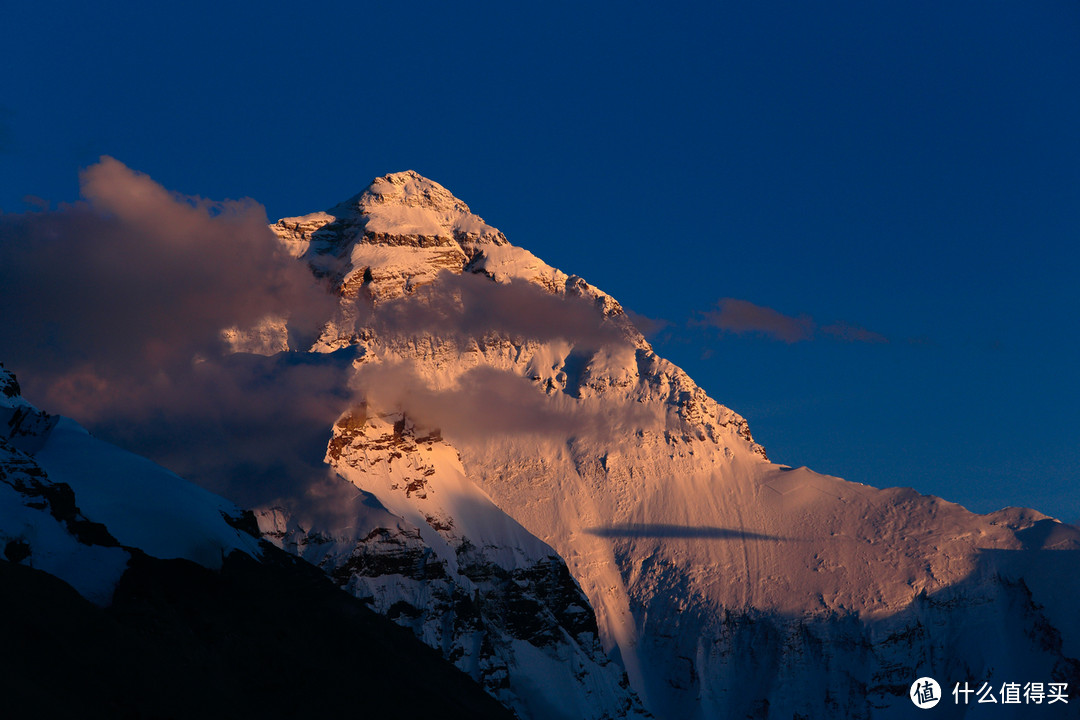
(909, 168)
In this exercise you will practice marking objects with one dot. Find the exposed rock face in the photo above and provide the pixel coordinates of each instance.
(436, 556)
(724, 583)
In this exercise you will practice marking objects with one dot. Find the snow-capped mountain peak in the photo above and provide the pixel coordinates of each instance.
(692, 548)
(400, 220)
(401, 208)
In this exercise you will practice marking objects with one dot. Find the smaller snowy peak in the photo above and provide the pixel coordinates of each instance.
(21, 424)
(142, 504)
(10, 393)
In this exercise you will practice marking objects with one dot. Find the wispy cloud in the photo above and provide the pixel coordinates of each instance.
(659, 530)
(251, 428)
(647, 326)
(853, 333)
(485, 402)
(743, 316)
(36, 203)
(137, 276)
(469, 306)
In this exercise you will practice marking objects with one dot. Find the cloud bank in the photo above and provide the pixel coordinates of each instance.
(484, 401)
(113, 309)
(137, 276)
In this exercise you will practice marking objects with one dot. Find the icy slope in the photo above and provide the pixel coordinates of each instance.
(728, 584)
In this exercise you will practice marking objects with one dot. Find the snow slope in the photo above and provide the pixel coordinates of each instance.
(727, 585)
(77, 507)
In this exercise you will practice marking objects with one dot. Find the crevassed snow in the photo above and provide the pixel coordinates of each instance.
(142, 504)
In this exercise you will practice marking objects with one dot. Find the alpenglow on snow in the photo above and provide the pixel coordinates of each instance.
(512, 422)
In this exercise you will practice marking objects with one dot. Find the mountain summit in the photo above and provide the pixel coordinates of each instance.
(397, 210)
(407, 203)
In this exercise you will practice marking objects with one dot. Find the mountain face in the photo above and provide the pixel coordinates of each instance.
(520, 489)
(511, 424)
(126, 591)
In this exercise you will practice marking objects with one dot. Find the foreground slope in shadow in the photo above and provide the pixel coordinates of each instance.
(224, 625)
